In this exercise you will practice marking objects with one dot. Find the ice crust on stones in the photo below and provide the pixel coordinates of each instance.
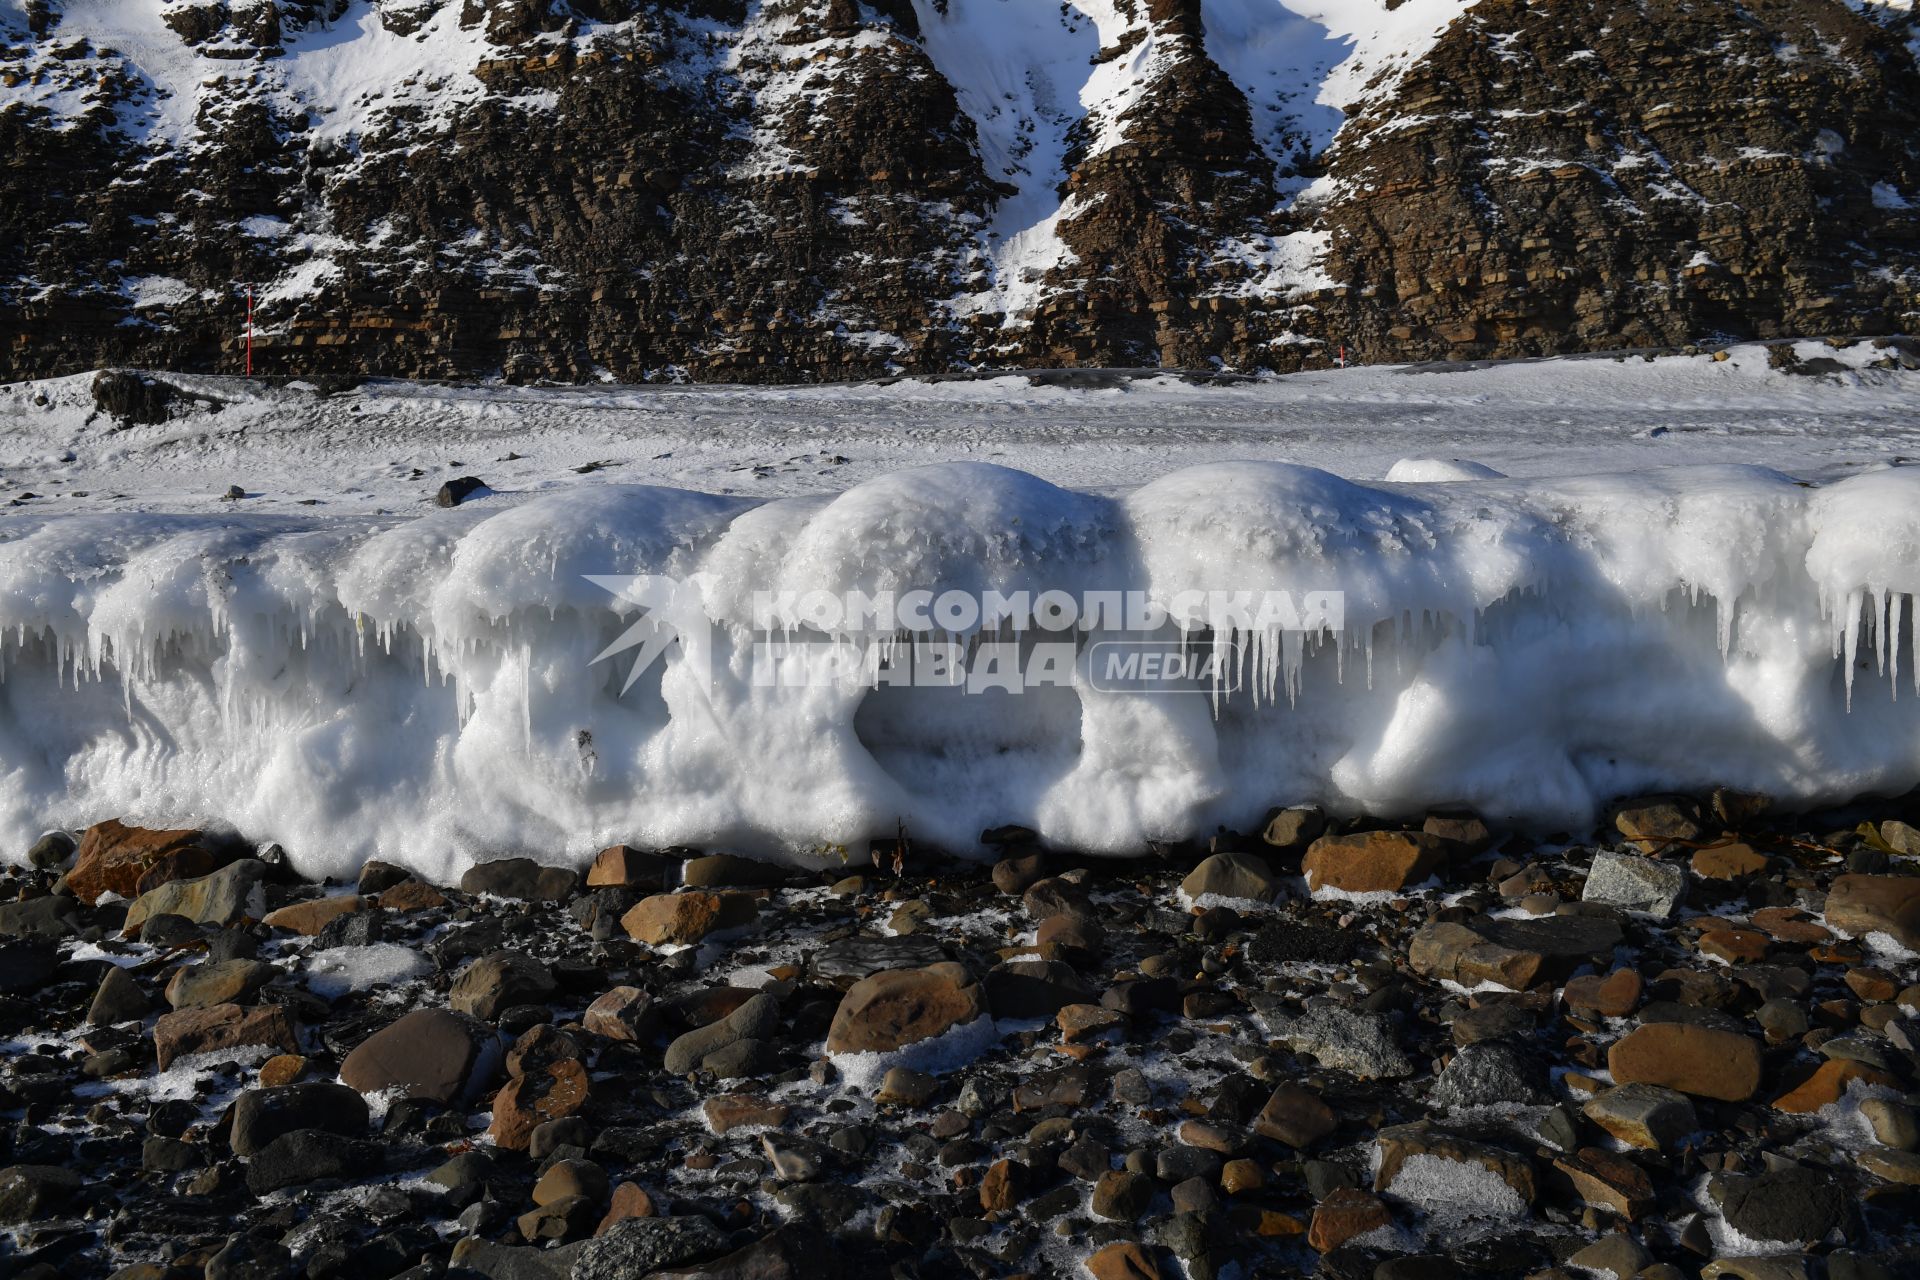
(422, 691)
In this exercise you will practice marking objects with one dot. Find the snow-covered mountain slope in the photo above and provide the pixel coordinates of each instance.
(333, 662)
(781, 189)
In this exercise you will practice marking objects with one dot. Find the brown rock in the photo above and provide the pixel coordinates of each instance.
(220, 1028)
(1701, 1061)
(113, 857)
(541, 1046)
(740, 1110)
(668, 918)
(431, 1054)
(899, 1007)
(1860, 905)
(1643, 1115)
(224, 982)
(1614, 996)
(625, 867)
(1608, 1181)
(1728, 862)
(189, 863)
(1292, 830)
(1373, 861)
(282, 1068)
(1735, 946)
(1655, 822)
(412, 895)
(1872, 984)
(1084, 1021)
(1003, 1185)
(1402, 1142)
(1467, 830)
(529, 1101)
(1123, 1260)
(310, 917)
(499, 980)
(629, 1200)
(1346, 1212)
(1788, 924)
(1828, 1084)
(624, 1013)
(1295, 1116)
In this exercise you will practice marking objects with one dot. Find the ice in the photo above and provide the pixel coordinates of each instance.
(377, 677)
(1456, 1189)
(335, 972)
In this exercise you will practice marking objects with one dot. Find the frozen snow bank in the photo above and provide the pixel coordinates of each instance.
(424, 690)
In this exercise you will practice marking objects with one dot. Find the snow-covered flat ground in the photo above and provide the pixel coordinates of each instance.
(387, 446)
(1558, 583)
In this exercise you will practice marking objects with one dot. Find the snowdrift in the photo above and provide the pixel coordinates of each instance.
(426, 690)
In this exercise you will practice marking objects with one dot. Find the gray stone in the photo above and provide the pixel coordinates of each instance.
(52, 850)
(225, 897)
(1361, 1044)
(29, 1192)
(516, 1262)
(1798, 1205)
(859, 956)
(637, 1246)
(758, 1020)
(49, 916)
(262, 1115)
(1643, 885)
(497, 981)
(118, 999)
(306, 1156)
(1490, 1072)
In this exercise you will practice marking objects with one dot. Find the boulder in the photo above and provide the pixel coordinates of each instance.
(310, 917)
(526, 1102)
(1295, 1116)
(1035, 988)
(1235, 876)
(229, 895)
(641, 1246)
(1702, 1061)
(856, 957)
(1292, 830)
(30, 1192)
(521, 878)
(500, 980)
(732, 1046)
(1655, 822)
(112, 857)
(1633, 883)
(1858, 905)
(224, 982)
(118, 999)
(678, 918)
(719, 870)
(1346, 1212)
(1361, 1044)
(306, 1156)
(624, 1013)
(430, 1054)
(221, 1028)
(27, 964)
(891, 1010)
(51, 916)
(1515, 954)
(262, 1115)
(1373, 861)
(622, 866)
(1424, 1153)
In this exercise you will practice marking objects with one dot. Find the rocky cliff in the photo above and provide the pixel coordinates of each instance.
(820, 189)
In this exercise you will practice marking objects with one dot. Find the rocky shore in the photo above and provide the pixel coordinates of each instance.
(1683, 1045)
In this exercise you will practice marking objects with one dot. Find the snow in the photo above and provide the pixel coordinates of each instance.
(1625, 609)
(949, 1051)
